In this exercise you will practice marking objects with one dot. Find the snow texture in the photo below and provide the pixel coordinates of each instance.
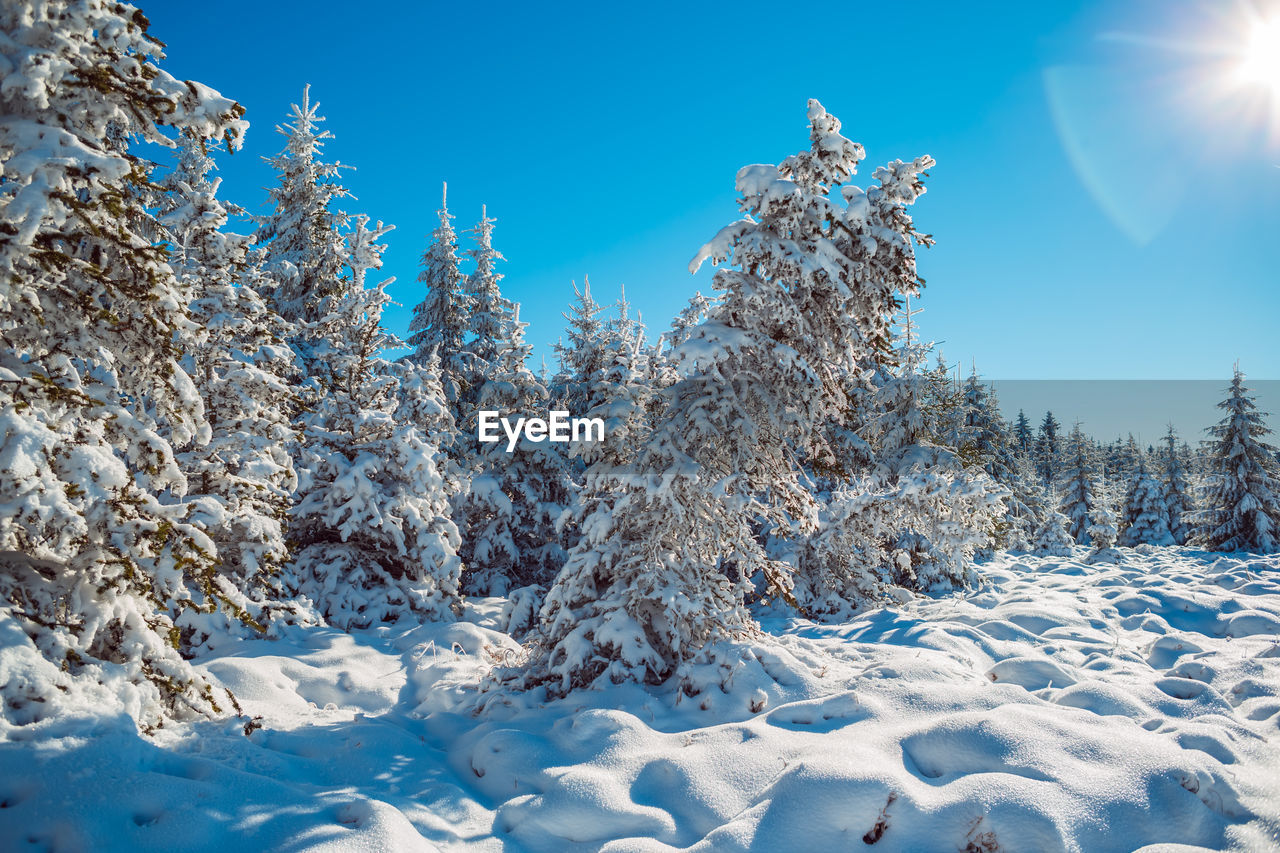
(1060, 706)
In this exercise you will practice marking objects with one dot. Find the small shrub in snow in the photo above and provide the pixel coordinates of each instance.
(1051, 537)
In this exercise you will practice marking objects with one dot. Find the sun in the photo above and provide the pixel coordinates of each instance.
(1260, 65)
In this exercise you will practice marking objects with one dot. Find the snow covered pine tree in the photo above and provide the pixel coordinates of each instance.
(515, 498)
(666, 560)
(1177, 491)
(1240, 501)
(374, 538)
(1048, 450)
(1051, 537)
(1078, 487)
(96, 568)
(439, 323)
(241, 482)
(1144, 520)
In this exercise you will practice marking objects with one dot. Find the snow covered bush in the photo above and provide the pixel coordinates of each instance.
(915, 515)
(97, 566)
(1102, 535)
(846, 564)
(1051, 537)
(1102, 528)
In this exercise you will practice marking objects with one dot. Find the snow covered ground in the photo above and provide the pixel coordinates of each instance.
(1059, 706)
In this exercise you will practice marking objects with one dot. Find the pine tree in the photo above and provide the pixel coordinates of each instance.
(1047, 450)
(943, 405)
(985, 434)
(490, 315)
(583, 359)
(440, 320)
(95, 567)
(1102, 528)
(1144, 516)
(1240, 500)
(666, 560)
(1026, 508)
(487, 338)
(1177, 492)
(516, 498)
(1123, 457)
(303, 234)
(374, 537)
(625, 397)
(848, 563)
(688, 318)
(241, 481)
(1078, 491)
(1023, 438)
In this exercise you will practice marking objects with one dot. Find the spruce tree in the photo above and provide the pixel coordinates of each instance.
(941, 512)
(1051, 538)
(1240, 499)
(1026, 507)
(241, 480)
(371, 528)
(516, 498)
(986, 438)
(440, 320)
(1048, 450)
(375, 541)
(95, 566)
(1023, 437)
(1102, 528)
(667, 559)
(583, 358)
(1078, 490)
(687, 319)
(1102, 535)
(1144, 517)
(1177, 491)
(490, 312)
(303, 234)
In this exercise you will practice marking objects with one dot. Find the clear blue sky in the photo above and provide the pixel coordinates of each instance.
(1104, 207)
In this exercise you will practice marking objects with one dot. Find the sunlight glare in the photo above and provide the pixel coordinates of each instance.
(1261, 63)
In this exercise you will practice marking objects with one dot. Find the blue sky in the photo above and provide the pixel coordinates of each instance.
(1105, 205)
